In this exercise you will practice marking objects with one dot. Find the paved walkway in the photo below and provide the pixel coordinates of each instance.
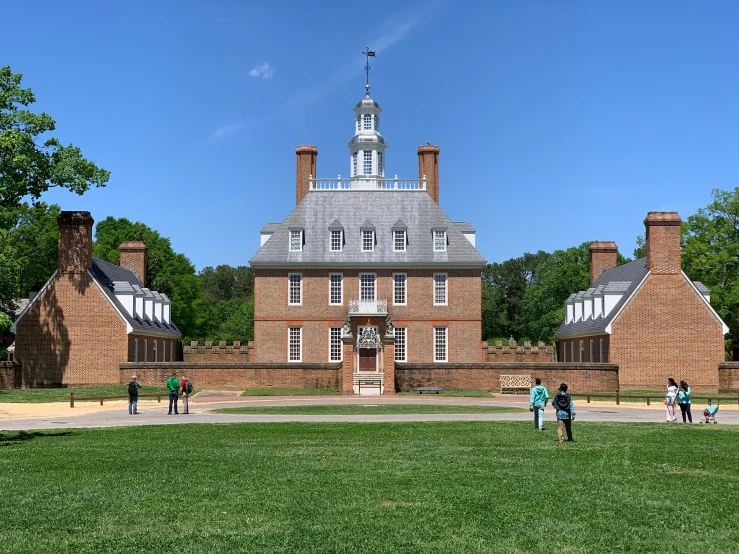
(115, 413)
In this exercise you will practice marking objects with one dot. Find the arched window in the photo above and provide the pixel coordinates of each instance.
(367, 122)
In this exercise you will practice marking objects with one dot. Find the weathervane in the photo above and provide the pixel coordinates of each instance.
(367, 67)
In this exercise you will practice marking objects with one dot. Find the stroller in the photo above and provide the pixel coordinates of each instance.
(709, 414)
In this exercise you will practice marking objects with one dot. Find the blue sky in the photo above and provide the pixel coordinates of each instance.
(558, 122)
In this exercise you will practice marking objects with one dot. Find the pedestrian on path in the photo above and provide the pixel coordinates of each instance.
(133, 396)
(683, 400)
(537, 403)
(670, 400)
(173, 386)
(185, 394)
(562, 402)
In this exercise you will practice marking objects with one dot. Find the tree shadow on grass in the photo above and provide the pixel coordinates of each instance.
(9, 438)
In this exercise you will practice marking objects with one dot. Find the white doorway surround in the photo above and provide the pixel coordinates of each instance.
(368, 379)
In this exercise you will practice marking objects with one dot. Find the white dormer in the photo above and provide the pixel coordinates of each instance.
(587, 304)
(267, 232)
(157, 306)
(166, 309)
(570, 309)
(125, 295)
(613, 293)
(598, 302)
(148, 304)
(138, 302)
(578, 307)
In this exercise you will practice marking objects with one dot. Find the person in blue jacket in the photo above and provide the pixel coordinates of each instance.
(537, 403)
(683, 400)
(562, 402)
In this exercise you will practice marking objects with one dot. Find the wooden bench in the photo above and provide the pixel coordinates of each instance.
(515, 384)
(421, 390)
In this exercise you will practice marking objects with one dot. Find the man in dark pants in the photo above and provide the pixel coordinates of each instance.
(173, 386)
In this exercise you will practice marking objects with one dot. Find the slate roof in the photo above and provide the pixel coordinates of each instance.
(464, 227)
(109, 277)
(703, 289)
(624, 278)
(354, 209)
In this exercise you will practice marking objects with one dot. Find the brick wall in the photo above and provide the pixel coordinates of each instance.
(728, 376)
(238, 376)
(147, 351)
(10, 375)
(221, 352)
(666, 330)
(486, 376)
(603, 256)
(573, 346)
(428, 165)
(514, 353)
(305, 158)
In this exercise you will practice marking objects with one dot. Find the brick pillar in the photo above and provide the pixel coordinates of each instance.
(75, 242)
(389, 365)
(306, 166)
(603, 256)
(347, 370)
(133, 257)
(663, 242)
(428, 165)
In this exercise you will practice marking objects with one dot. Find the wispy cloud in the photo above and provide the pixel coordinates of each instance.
(262, 71)
(223, 131)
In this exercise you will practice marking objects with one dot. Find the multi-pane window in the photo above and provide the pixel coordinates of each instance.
(399, 241)
(379, 163)
(399, 281)
(439, 241)
(367, 122)
(440, 344)
(294, 344)
(368, 241)
(367, 287)
(368, 163)
(400, 344)
(295, 288)
(335, 288)
(336, 241)
(334, 339)
(440, 281)
(296, 241)
(354, 163)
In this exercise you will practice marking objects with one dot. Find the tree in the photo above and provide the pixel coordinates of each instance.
(5, 323)
(226, 282)
(30, 165)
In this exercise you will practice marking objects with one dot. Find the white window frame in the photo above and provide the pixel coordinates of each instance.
(440, 235)
(367, 162)
(374, 287)
(367, 122)
(146, 350)
(331, 240)
(300, 289)
(401, 335)
(135, 350)
(341, 289)
(299, 236)
(405, 289)
(395, 240)
(156, 350)
(446, 289)
(372, 238)
(332, 335)
(300, 343)
(437, 328)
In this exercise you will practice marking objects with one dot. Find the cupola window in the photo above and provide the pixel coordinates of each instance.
(355, 155)
(368, 163)
(379, 163)
(367, 122)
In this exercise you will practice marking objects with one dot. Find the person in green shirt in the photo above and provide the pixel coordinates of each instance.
(539, 398)
(173, 386)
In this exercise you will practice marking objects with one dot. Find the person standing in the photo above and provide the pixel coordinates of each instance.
(173, 386)
(670, 400)
(185, 394)
(562, 402)
(133, 396)
(683, 400)
(537, 403)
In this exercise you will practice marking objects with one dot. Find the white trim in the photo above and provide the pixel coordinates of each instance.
(446, 290)
(341, 344)
(724, 327)
(434, 240)
(405, 344)
(621, 309)
(290, 243)
(128, 325)
(300, 290)
(446, 344)
(405, 289)
(31, 303)
(300, 343)
(341, 287)
(331, 240)
(405, 240)
(372, 232)
(359, 292)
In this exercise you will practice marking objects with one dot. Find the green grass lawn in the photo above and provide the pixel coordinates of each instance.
(461, 487)
(62, 394)
(369, 409)
(289, 392)
(466, 393)
(657, 396)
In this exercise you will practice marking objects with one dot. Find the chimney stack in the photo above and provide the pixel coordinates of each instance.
(428, 165)
(603, 256)
(663, 242)
(75, 242)
(133, 258)
(306, 166)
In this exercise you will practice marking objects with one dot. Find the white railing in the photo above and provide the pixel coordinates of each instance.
(367, 183)
(364, 307)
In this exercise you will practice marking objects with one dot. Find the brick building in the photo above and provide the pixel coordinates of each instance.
(646, 315)
(367, 270)
(92, 315)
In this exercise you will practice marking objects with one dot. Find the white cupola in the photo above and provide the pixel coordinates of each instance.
(367, 146)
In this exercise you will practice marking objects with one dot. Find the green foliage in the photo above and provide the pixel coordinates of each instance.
(5, 323)
(30, 165)
(227, 283)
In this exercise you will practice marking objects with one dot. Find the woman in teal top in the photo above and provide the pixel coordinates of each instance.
(683, 400)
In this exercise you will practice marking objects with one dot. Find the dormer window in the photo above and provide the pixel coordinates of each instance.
(439, 241)
(296, 241)
(337, 240)
(368, 241)
(367, 122)
(399, 241)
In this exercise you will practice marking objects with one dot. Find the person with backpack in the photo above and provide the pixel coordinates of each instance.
(537, 403)
(173, 386)
(562, 402)
(683, 400)
(133, 396)
(185, 390)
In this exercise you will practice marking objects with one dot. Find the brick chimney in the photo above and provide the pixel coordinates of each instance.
(602, 258)
(306, 166)
(428, 165)
(663, 242)
(133, 257)
(75, 242)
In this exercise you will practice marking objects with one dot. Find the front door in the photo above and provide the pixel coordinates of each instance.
(367, 359)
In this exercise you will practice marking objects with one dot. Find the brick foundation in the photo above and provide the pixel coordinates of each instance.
(728, 377)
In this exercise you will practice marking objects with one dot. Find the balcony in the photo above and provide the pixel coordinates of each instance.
(367, 183)
(368, 307)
